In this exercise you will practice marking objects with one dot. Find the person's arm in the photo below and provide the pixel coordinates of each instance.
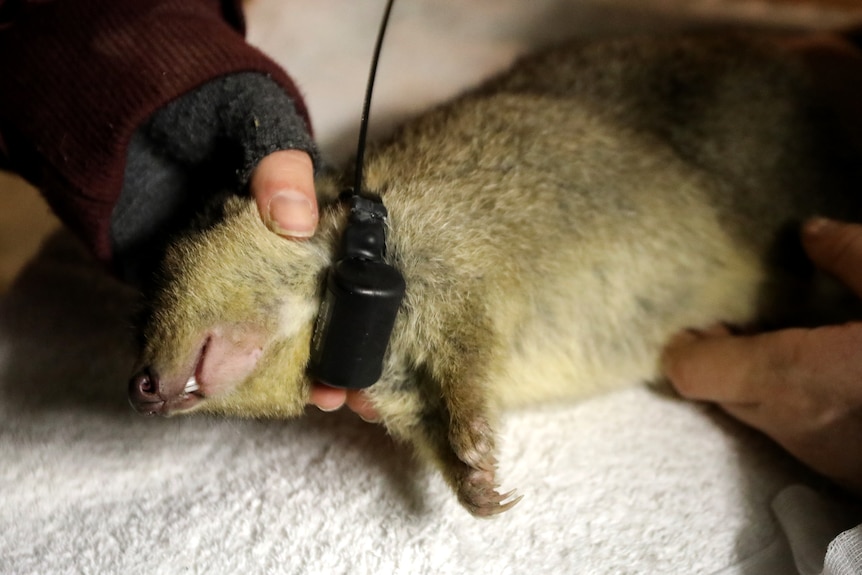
(80, 78)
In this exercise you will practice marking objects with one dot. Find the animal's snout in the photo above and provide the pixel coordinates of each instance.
(216, 363)
(144, 392)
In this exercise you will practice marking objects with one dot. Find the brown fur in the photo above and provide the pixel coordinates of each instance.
(554, 227)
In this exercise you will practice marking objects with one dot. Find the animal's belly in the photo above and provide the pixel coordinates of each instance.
(591, 334)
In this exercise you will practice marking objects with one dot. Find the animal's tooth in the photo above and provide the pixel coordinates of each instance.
(191, 385)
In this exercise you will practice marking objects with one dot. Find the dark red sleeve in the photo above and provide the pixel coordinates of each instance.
(78, 77)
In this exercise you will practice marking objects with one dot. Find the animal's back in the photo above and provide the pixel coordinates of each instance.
(602, 196)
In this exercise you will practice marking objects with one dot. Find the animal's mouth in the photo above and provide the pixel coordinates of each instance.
(151, 394)
(225, 358)
(194, 384)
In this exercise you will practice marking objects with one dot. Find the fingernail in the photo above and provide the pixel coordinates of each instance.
(368, 419)
(818, 225)
(291, 214)
(692, 335)
(683, 338)
(329, 409)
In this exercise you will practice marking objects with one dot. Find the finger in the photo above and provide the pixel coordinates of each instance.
(819, 367)
(836, 248)
(282, 184)
(362, 406)
(725, 368)
(327, 398)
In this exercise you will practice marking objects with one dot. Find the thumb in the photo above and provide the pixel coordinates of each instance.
(836, 248)
(282, 184)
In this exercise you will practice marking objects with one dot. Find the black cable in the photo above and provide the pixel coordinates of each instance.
(366, 107)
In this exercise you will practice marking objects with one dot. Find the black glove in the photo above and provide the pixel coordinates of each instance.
(196, 148)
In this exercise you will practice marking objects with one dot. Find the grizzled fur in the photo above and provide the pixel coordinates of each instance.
(554, 227)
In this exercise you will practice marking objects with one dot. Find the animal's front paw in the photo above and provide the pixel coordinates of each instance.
(473, 444)
(477, 492)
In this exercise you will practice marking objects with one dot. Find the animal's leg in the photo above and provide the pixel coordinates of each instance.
(452, 423)
(455, 433)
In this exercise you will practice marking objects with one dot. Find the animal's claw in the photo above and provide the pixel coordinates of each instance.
(478, 494)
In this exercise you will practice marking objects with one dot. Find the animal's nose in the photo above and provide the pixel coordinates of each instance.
(144, 392)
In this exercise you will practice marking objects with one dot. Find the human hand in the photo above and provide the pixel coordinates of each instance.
(801, 387)
(331, 399)
(282, 184)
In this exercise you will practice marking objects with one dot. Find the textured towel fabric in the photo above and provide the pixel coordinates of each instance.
(810, 521)
(844, 556)
(632, 482)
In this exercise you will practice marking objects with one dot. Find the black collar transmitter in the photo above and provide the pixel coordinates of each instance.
(362, 293)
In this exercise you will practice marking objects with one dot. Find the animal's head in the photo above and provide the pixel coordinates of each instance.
(227, 326)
